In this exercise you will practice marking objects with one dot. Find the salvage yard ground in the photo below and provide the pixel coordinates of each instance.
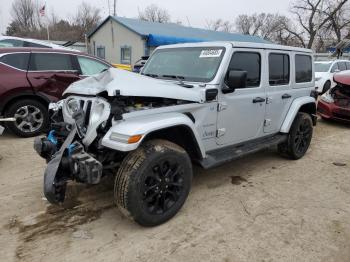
(259, 208)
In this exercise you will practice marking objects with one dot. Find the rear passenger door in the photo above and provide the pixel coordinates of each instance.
(279, 95)
(51, 73)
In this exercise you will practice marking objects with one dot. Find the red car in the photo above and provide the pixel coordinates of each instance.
(31, 78)
(335, 104)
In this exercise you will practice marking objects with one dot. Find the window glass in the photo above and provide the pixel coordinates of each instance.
(11, 43)
(249, 62)
(198, 64)
(90, 66)
(30, 44)
(334, 68)
(303, 68)
(347, 65)
(342, 66)
(279, 69)
(125, 55)
(50, 61)
(19, 60)
(322, 67)
(101, 52)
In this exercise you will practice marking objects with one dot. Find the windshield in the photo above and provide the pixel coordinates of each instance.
(197, 64)
(322, 67)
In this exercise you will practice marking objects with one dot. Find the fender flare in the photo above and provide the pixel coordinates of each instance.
(146, 125)
(293, 111)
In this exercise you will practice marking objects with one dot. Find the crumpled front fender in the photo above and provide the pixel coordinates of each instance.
(145, 125)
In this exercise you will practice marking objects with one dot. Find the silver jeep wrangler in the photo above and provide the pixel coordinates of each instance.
(203, 103)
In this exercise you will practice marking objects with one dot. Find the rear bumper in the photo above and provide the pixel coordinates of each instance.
(331, 111)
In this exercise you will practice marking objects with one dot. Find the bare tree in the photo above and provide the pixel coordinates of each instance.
(219, 25)
(24, 16)
(339, 22)
(154, 13)
(86, 19)
(312, 16)
(271, 27)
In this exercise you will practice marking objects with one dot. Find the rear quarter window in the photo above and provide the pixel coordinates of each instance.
(342, 66)
(19, 61)
(303, 68)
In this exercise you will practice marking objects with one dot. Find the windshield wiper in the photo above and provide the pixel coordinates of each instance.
(151, 75)
(180, 79)
(174, 76)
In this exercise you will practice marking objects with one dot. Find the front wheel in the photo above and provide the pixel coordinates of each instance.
(299, 137)
(153, 182)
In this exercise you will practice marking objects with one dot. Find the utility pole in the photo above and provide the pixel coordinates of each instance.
(115, 8)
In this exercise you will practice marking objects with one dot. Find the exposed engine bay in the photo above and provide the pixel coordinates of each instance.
(341, 95)
(131, 104)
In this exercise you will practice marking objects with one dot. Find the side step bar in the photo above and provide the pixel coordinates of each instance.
(221, 156)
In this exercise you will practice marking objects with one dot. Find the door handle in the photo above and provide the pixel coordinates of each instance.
(286, 96)
(259, 100)
(42, 77)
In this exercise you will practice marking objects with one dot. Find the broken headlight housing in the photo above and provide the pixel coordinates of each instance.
(72, 106)
(327, 98)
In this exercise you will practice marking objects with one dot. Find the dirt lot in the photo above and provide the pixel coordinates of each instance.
(260, 208)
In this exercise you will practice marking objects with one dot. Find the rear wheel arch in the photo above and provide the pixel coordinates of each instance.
(181, 135)
(44, 101)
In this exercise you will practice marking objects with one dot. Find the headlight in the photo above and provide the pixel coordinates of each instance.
(72, 106)
(96, 112)
(327, 97)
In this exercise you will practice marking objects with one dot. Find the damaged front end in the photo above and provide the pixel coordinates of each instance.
(74, 148)
(74, 128)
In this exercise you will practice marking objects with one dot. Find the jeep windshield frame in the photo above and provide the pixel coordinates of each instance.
(192, 64)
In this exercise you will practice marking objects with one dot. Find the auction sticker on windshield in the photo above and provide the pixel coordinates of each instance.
(210, 53)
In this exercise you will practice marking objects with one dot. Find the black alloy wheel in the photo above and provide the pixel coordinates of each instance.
(153, 182)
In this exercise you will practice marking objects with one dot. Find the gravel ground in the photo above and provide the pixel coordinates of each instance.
(259, 208)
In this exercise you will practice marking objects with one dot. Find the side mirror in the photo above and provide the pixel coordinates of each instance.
(235, 79)
(337, 71)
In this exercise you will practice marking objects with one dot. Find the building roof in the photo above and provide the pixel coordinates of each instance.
(175, 33)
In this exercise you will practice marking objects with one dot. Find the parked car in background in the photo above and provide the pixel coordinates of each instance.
(140, 64)
(31, 78)
(324, 71)
(11, 41)
(335, 103)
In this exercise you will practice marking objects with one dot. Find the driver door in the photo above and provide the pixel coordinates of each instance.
(242, 112)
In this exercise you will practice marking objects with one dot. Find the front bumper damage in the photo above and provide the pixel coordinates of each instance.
(70, 162)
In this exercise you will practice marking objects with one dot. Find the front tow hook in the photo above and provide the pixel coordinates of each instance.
(54, 180)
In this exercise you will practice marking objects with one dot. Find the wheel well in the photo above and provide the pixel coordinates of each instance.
(310, 109)
(22, 97)
(181, 135)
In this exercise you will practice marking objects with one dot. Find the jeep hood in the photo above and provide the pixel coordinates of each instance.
(121, 82)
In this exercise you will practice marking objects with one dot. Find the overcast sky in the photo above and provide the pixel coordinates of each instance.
(197, 11)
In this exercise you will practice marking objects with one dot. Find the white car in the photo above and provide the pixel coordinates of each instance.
(324, 71)
(11, 41)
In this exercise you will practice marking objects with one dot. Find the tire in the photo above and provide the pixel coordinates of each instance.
(153, 182)
(326, 86)
(32, 118)
(299, 137)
